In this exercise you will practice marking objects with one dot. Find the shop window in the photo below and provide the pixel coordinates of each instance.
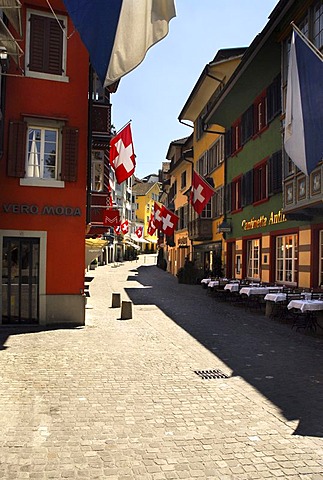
(286, 259)
(97, 174)
(260, 182)
(253, 259)
(46, 46)
(42, 153)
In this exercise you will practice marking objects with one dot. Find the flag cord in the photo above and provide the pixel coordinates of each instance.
(59, 23)
(308, 42)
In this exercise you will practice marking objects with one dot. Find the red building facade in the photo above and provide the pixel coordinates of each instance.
(43, 170)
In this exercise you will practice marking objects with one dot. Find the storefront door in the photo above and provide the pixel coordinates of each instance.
(20, 280)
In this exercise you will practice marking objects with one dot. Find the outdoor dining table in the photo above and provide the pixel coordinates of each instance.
(232, 287)
(205, 280)
(308, 307)
(258, 290)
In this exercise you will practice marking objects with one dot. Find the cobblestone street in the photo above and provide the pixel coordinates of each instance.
(121, 399)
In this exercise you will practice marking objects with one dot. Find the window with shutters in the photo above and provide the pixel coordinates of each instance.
(236, 194)
(42, 153)
(260, 187)
(46, 46)
(260, 113)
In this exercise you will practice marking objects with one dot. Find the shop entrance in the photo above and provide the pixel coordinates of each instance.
(20, 280)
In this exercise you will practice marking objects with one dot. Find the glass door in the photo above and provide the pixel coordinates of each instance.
(20, 280)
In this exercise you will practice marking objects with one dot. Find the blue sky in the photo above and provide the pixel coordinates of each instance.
(153, 95)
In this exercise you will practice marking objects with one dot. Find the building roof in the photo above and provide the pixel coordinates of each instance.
(142, 188)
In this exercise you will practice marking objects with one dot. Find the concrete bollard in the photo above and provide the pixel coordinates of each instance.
(115, 300)
(126, 310)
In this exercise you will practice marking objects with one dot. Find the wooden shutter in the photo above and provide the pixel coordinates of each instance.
(37, 43)
(54, 56)
(274, 99)
(69, 154)
(275, 173)
(46, 45)
(228, 143)
(227, 208)
(247, 125)
(16, 161)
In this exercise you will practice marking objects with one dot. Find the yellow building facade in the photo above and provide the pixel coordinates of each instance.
(207, 242)
(145, 195)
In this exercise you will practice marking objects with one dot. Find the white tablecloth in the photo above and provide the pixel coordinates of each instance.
(258, 290)
(306, 305)
(205, 280)
(233, 287)
(213, 283)
(275, 297)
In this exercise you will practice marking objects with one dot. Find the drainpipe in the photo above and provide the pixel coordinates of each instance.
(89, 148)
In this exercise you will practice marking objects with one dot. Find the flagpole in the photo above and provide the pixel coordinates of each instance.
(124, 126)
(307, 41)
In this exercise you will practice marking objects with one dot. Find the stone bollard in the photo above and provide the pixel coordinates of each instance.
(126, 310)
(115, 300)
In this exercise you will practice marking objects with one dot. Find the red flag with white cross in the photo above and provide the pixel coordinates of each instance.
(122, 157)
(139, 231)
(151, 225)
(201, 193)
(124, 227)
(169, 221)
(157, 215)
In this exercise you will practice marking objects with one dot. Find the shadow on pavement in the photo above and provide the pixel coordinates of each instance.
(7, 331)
(282, 364)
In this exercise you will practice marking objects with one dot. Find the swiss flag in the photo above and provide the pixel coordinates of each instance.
(124, 227)
(117, 229)
(151, 225)
(111, 217)
(169, 221)
(157, 216)
(139, 231)
(122, 157)
(201, 193)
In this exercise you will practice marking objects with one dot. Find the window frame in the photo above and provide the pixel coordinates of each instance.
(44, 75)
(281, 246)
(45, 182)
(260, 182)
(253, 247)
(236, 197)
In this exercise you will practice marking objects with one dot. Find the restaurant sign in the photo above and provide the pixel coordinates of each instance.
(29, 209)
(264, 221)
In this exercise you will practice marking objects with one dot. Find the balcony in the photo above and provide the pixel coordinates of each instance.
(101, 119)
(200, 229)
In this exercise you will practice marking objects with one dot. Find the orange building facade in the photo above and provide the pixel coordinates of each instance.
(43, 171)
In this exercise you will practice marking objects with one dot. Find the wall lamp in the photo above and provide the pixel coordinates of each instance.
(4, 61)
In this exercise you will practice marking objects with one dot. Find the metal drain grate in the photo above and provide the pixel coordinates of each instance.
(209, 374)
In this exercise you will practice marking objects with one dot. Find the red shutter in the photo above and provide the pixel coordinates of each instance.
(69, 154)
(16, 164)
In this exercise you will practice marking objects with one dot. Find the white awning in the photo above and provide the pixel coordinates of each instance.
(12, 10)
(9, 43)
(131, 244)
(139, 240)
